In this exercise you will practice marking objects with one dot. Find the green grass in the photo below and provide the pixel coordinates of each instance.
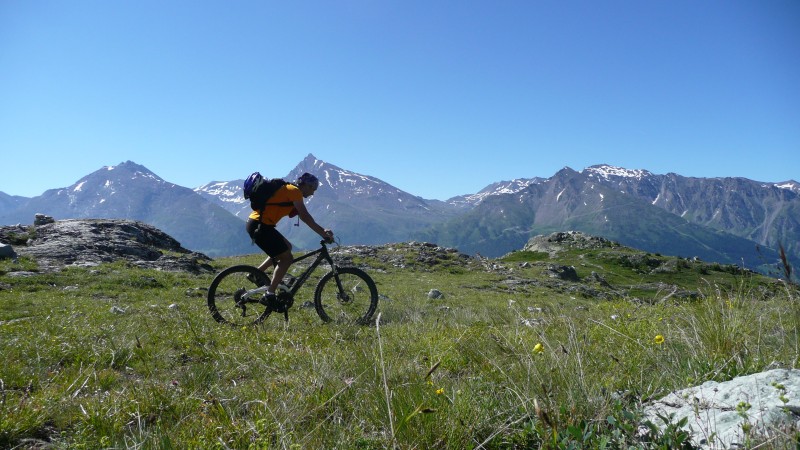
(119, 357)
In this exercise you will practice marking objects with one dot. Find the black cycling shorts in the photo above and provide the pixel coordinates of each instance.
(267, 238)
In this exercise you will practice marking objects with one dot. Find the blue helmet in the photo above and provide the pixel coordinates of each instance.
(307, 178)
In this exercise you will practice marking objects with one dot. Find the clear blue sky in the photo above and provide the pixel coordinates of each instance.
(438, 98)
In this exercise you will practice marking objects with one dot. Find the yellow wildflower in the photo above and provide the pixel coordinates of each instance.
(659, 339)
(440, 391)
(538, 348)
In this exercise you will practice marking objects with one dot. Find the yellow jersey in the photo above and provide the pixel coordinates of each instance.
(274, 213)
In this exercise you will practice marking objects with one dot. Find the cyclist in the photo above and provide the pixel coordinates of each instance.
(261, 226)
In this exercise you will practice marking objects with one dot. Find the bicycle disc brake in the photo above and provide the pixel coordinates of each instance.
(344, 297)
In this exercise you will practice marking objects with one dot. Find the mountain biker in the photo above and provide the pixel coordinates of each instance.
(261, 226)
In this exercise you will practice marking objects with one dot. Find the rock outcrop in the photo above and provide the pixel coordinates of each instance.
(726, 415)
(554, 243)
(87, 242)
(7, 251)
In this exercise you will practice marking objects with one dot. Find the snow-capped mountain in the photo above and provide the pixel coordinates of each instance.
(765, 213)
(345, 185)
(502, 187)
(622, 176)
(359, 208)
(719, 219)
(227, 194)
(336, 184)
(724, 219)
(131, 191)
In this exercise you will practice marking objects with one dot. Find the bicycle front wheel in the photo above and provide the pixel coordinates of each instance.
(347, 295)
(225, 295)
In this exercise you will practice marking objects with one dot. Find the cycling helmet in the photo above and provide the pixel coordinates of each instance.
(309, 179)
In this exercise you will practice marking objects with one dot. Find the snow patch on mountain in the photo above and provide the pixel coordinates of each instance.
(352, 183)
(359, 184)
(790, 185)
(220, 188)
(606, 172)
(225, 191)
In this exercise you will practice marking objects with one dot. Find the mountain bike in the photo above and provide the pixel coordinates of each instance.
(237, 295)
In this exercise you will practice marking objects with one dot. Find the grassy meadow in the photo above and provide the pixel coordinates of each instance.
(119, 357)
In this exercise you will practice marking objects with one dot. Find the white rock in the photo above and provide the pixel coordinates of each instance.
(716, 411)
(435, 293)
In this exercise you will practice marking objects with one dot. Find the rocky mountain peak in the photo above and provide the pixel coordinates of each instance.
(501, 187)
(343, 183)
(108, 180)
(566, 172)
(128, 170)
(311, 163)
(129, 166)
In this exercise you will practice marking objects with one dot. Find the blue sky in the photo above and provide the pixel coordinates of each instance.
(438, 98)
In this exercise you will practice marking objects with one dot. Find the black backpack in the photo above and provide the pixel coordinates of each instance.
(259, 190)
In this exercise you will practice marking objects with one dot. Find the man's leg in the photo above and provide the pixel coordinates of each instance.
(282, 264)
(270, 260)
(266, 264)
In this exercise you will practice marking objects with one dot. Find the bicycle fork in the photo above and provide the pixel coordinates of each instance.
(342, 295)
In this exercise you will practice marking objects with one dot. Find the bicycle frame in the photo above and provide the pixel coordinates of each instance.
(342, 294)
(322, 255)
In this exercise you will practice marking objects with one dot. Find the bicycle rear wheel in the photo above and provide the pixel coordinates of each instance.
(226, 290)
(347, 296)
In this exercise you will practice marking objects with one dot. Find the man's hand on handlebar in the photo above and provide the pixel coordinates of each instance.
(328, 237)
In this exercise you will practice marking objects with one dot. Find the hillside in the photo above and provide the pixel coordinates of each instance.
(512, 352)
(571, 264)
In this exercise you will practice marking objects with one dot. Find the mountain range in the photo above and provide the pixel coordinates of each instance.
(728, 220)
(731, 220)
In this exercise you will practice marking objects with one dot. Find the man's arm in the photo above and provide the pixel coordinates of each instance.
(305, 216)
